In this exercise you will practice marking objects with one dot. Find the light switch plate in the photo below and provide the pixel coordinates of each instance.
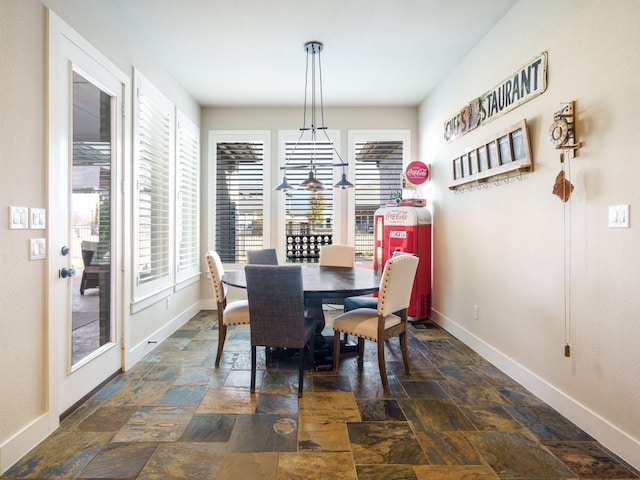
(619, 216)
(18, 218)
(37, 248)
(37, 218)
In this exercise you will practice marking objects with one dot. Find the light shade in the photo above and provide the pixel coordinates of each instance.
(312, 183)
(285, 186)
(343, 184)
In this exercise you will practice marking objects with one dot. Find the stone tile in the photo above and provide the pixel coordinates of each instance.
(547, 424)
(107, 419)
(119, 460)
(323, 437)
(518, 395)
(264, 433)
(283, 382)
(457, 472)
(277, 404)
(209, 428)
(437, 415)
(424, 389)
(182, 395)
(515, 455)
(163, 373)
(331, 383)
(316, 466)
(448, 448)
(420, 371)
(156, 424)
(139, 393)
(493, 375)
(328, 407)
(384, 443)
(240, 466)
(375, 410)
(492, 418)
(589, 460)
(478, 394)
(61, 455)
(386, 472)
(370, 386)
(228, 400)
(242, 378)
(442, 352)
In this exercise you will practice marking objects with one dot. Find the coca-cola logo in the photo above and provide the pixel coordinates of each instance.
(417, 172)
(396, 215)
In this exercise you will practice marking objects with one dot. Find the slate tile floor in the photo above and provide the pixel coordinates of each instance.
(175, 416)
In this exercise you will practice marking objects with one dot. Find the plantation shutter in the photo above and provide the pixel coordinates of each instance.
(188, 197)
(154, 160)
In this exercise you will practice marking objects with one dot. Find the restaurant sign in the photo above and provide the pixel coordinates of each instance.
(526, 83)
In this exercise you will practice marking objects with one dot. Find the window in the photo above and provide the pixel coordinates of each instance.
(377, 159)
(188, 198)
(241, 180)
(153, 204)
(166, 203)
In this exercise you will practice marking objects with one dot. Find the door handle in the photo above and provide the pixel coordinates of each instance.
(67, 272)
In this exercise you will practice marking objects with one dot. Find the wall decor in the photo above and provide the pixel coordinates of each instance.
(526, 83)
(506, 156)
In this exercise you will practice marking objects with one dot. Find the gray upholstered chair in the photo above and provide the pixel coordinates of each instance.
(337, 255)
(232, 313)
(381, 323)
(265, 256)
(276, 306)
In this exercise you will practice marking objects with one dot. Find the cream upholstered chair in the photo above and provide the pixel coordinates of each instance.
(232, 313)
(381, 323)
(266, 256)
(337, 255)
(276, 303)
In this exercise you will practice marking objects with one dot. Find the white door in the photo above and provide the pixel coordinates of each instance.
(85, 160)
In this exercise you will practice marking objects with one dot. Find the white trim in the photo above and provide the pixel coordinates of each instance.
(14, 448)
(609, 435)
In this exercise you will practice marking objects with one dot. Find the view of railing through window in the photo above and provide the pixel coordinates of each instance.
(239, 199)
(309, 214)
(378, 174)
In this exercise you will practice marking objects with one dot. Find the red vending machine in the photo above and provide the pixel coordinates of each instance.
(406, 229)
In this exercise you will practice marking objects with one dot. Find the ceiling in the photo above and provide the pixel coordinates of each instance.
(250, 52)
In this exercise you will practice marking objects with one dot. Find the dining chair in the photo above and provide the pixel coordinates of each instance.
(265, 256)
(381, 323)
(276, 306)
(337, 255)
(91, 272)
(351, 303)
(231, 313)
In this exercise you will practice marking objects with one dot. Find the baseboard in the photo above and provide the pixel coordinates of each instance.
(22, 442)
(612, 437)
(137, 352)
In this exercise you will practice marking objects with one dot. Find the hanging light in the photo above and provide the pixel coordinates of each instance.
(312, 183)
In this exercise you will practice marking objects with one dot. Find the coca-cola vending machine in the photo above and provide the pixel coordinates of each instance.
(406, 229)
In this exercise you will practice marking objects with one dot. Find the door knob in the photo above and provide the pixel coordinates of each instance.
(67, 272)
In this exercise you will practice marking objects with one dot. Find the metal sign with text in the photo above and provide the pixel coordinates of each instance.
(526, 83)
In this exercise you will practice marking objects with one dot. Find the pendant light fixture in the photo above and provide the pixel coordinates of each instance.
(312, 183)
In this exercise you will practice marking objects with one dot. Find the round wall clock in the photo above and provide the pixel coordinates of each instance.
(559, 132)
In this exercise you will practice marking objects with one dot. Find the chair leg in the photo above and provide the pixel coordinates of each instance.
(301, 372)
(222, 335)
(405, 352)
(382, 367)
(336, 351)
(360, 352)
(253, 369)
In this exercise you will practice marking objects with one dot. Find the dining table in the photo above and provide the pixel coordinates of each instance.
(322, 284)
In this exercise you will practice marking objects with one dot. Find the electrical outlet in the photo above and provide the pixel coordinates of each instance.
(37, 248)
(619, 216)
(475, 312)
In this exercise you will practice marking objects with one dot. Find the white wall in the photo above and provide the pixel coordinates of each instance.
(23, 286)
(503, 248)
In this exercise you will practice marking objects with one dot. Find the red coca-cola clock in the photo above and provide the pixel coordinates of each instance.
(417, 173)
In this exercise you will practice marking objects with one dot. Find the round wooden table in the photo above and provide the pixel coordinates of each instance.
(323, 283)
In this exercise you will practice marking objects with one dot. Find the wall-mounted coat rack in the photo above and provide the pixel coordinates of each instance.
(506, 156)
